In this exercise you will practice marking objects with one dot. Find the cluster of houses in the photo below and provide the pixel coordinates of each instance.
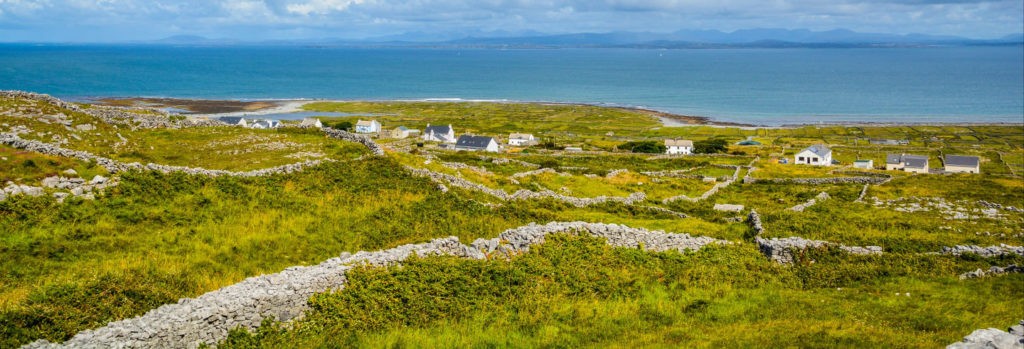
(821, 155)
(265, 123)
(445, 134)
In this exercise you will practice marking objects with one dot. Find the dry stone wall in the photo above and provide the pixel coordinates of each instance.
(118, 166)
(207, 319)
(524, 194)
(375, 148)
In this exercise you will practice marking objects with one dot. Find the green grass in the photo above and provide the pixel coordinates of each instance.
(548, 121)
(156, 238)
(578, 292)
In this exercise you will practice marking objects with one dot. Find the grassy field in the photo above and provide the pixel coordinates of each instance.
(156, 238)
(577, 292)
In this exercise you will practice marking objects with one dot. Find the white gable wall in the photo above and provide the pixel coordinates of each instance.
(808, 157)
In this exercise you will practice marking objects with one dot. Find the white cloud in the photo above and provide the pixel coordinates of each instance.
(254, 19)
(321, 7)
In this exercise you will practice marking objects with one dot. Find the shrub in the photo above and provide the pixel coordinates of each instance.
(648, 147)
(710, 146)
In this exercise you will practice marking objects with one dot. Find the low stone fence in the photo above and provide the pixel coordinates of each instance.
(818, 198)
(358, 138)
(754, 220)
(782, 250)
(992, 271)
(207, 319)
(990, 251)
(524, 194)
(819, 181)
(118, 166)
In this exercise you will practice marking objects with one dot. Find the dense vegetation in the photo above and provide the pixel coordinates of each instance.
(156, 238)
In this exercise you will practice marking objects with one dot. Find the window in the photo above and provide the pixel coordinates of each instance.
(800, 158)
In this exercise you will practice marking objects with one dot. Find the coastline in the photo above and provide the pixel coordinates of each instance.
(207, 108)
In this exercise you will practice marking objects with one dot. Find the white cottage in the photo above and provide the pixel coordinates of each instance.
(367, 126)
(818, 155)
(962, 164)
(234, 121)
(311, 122)
(444, 134)
(678, 146)
(907, 163)
(521, 140)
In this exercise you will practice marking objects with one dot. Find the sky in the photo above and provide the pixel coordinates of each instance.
(257, 20)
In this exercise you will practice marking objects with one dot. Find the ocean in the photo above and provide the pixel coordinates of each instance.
(758, 86)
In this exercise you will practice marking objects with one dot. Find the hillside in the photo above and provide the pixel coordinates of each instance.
(261, 231)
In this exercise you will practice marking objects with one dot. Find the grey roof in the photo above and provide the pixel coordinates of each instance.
(438, 130)
(819, 150)
(913, 161)
(962, 160)
(894, 159)
(916, 161)
(230, 120)
(466, 141)
(403, 128)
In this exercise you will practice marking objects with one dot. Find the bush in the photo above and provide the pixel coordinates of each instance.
(647, 147)
(710, 146)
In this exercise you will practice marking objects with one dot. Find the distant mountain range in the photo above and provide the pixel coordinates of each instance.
(752, 38)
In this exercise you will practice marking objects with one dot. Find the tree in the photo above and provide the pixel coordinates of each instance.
(649, 147)
(710, 146)
(342, 125)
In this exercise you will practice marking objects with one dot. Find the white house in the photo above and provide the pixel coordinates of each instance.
(367, 126)
(521, 140)
(265, 124)
(907, 163)
(864, 164)
(467, 142)
(818, 155)
(234, 121)
(962, 164)
(311, 122)
(444, 134)
(678, 146)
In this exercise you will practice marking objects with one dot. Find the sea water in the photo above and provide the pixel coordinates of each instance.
(760, 86)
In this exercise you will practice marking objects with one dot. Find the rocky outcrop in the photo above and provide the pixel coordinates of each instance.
(992, 338)
(991, 251)
(118, 166)
(819, 198)
(153, 118)
(992, 271)
(992, 205)
(537, 172)
(207, 319)
(500, 161)
(459, 166)
(614, 173)
(782, 250)
(357, 138)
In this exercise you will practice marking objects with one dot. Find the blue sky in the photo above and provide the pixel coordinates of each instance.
(127, 20)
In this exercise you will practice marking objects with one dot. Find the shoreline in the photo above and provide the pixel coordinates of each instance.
(194, 107)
